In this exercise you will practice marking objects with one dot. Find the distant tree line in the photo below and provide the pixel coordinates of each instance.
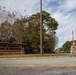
(26, 29)
(67, 46)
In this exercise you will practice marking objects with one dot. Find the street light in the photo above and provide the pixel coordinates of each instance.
(40, 26)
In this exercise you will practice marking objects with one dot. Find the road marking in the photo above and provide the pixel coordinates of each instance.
(39, 65)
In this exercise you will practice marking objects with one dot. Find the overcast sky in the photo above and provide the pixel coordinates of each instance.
(64, 11)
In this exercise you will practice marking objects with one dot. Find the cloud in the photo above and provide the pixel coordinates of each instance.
(66, 17)
(67, 5)
(21, 5)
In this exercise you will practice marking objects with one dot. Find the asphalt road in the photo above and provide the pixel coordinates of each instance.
(48, 61)
(37, 70)
(38, 66)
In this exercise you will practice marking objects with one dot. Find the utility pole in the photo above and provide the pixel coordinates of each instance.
(40, 26)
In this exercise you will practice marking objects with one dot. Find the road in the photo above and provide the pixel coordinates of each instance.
(48, 61)
(37, 70)
(38, 66)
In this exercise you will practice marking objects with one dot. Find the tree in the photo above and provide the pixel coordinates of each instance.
(12, 39)
(50, 42)
(33, 29)
(7, 19)
(5, 31)
(66, 46)
(27, 30)
(49, 23)
(18, 30)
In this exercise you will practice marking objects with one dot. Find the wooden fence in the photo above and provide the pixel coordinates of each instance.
(11, 48)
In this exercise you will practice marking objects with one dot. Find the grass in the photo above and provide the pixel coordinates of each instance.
(34, 55)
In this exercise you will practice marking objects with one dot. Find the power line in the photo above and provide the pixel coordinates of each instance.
(67, 22)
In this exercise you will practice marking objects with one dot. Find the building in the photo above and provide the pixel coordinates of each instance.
(11, 48)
